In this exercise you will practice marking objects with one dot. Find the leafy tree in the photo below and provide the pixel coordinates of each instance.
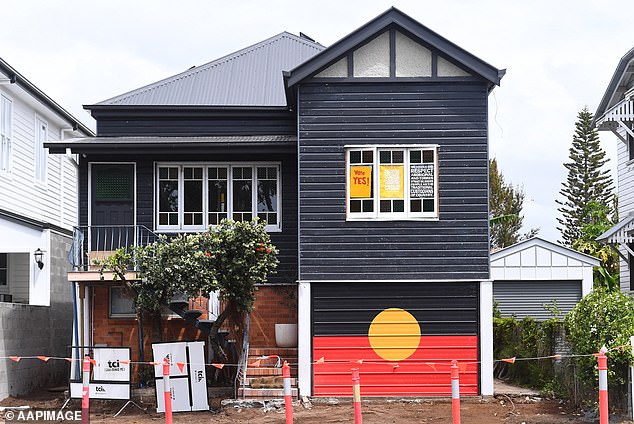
(586, 180)
(505, 206)
(602, 318)
(232, 257)
(598, 221)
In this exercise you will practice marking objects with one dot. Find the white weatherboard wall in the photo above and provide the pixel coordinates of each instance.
(540, 260)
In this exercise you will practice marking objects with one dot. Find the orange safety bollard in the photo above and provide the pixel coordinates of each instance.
(167, 394)
(603, 386)
(356, 395)
(288, 397)
(455, 392)
(85, 391)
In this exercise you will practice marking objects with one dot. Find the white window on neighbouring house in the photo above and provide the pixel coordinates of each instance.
(385, 182)
(6, 118)
(41, 154)
(121, 303)
(197, 196)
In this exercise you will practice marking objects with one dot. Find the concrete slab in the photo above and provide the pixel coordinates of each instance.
(502, 388)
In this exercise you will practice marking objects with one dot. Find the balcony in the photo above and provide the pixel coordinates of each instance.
(95, 243)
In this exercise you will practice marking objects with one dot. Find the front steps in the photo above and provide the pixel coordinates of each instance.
(265, 381)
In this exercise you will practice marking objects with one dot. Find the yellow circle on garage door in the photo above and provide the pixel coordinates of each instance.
(394, 334)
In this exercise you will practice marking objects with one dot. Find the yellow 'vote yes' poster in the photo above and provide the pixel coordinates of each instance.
(361, 181)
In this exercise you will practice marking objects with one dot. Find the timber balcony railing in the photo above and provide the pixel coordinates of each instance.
(97, 242)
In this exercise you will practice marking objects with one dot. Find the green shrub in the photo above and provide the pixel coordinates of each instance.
(523, 339)
(602, 318)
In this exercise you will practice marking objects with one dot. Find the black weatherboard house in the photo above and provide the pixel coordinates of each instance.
(367, 159)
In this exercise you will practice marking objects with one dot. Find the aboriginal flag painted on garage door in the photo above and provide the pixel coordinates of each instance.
(401, 336)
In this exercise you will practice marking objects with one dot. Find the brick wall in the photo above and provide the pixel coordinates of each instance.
(274, 304)
(124, 331)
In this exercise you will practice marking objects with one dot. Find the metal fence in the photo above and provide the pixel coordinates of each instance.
(97, 242)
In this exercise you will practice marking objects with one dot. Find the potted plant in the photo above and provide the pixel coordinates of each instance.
(285, 332)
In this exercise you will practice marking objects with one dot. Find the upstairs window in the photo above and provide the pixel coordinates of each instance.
(195, 197)
(6, 112)
(385, 182)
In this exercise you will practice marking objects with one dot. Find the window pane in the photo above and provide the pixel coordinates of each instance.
(416, 206)
(3, 277)
(120, 302)
(267, 195)
(217, 195)
(386, 206)
(368, 205)
(168, 196)
(398, 206)
(355, 156)
(368, 156)
(428, 205)
(415, 156)
(397, 156)
(193, 195)
(385, 156)
(3, 260)
(355, 205)
(428, 156)
(242, 194)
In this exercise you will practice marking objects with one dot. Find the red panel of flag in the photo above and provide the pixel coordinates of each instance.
(425, 373)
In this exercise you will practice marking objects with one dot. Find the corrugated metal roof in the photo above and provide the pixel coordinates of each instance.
(248, 77)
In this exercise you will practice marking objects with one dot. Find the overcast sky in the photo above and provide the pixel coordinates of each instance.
(559, 56)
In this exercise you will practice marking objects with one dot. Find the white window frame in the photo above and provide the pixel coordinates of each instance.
(41, 154)
(407, 214)
(6, 133)
(181, 227)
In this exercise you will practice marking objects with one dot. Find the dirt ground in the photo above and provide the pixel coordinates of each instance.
(502, 409)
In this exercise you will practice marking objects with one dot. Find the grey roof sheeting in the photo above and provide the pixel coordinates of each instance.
(85, 144)
(379, 24)
(622, 79)
(249, 77)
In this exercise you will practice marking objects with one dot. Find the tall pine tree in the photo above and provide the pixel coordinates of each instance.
(586, 180)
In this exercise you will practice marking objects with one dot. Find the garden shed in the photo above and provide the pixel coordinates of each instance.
(532, 276)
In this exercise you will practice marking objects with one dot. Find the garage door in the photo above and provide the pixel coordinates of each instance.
(401, 336)
(528, 298)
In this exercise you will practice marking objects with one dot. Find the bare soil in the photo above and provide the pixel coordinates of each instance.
(502, 409)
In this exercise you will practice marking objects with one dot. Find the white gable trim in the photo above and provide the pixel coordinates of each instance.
(539, 260)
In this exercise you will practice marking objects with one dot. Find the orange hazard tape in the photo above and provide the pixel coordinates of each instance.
(463, 365)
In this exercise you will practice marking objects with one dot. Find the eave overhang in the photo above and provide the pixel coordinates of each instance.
(171, 145)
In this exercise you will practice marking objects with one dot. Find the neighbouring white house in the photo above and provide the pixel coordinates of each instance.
(535, 276)
(38, 210)
(616, 114)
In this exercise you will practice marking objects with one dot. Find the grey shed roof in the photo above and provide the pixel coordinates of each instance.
(248, 77)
